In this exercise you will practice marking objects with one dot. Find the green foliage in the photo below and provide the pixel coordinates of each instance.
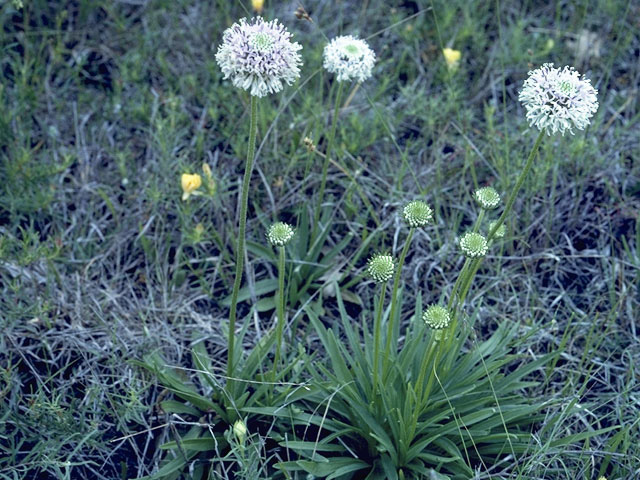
(466, 412)
(208, 408)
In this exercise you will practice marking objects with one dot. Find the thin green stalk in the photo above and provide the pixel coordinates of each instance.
(394, 304)
(476, 226)
(241, 235)
(376, 339)
(427, 359)
(517, 186)
(327, 155)
(466, 285)
(464, 273)
(456, 285)
(279, 313)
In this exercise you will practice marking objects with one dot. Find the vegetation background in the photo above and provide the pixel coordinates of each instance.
(104, 104)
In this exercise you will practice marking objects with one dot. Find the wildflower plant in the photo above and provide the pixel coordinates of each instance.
(279, 235)
(257, 56)
(349, 59)
(395, 425)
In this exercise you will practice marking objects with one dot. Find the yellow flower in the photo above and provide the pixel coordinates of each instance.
(452, 57)
(190, 183)
(258, 5)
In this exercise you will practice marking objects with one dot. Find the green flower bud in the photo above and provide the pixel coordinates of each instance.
(381, 267)
(487, 198)
(436, 317)
(473, 245)
(279, 234)
(240, 431)
(417, 214)
(500, 232)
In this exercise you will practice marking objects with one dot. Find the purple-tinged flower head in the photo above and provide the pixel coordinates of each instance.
(350, 58)
(558, 100)
(259, 56)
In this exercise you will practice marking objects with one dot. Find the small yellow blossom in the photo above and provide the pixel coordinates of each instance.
(452, 57)
(190, 183)
(258, 5)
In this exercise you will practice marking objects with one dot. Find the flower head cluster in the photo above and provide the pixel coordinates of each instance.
(259, 56)
(558, 100)
(487, 198)
(190, 183)
(436, 317)
(473, 245)
(417, 214)
(350, 58)
(500, 232)
(381, 267)
(279, 234)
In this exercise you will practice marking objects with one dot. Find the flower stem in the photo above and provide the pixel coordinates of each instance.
(464, 272)
(241, 236)
(279, 313)
(327, 156)
(376, 339)
(394, 304)
(475, 265)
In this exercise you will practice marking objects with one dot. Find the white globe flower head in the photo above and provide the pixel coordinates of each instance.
(350, 58)
(259, 56)
(280, 233)
(558, 100)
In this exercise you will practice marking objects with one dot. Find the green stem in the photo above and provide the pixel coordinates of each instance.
(507, 210)
(241, 235)
(476, 226)
(464, 273)
(456, 285)
(427, 359)
(517, 186)
(394, 304)
(376, 339)
(279, 313)
(327, 155)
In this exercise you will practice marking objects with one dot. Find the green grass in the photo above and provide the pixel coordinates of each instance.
(103, 105)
